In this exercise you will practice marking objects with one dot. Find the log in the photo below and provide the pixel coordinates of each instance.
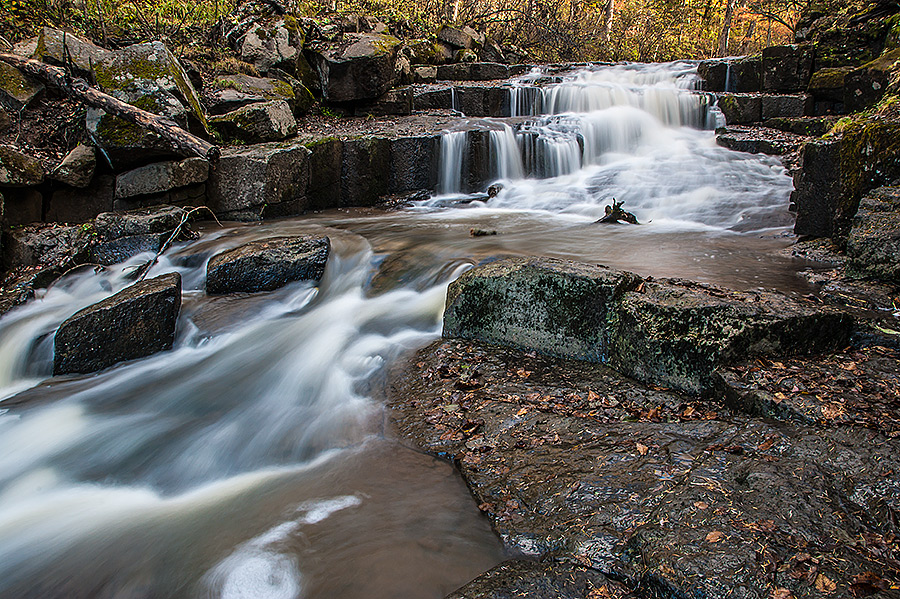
(79, 89)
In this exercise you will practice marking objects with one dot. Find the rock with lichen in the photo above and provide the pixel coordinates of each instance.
(361, 66)
(149, 77)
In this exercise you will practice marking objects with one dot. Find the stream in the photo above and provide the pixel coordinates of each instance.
(254, 460)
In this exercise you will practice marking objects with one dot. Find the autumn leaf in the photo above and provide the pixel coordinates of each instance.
(715, 536)
(701, 505)
(825, 584)
(642, 449)
(781, 594)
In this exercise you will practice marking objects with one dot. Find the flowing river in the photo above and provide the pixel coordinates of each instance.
(253, 460)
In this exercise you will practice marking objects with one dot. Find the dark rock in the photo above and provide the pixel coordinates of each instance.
(828, 84)
(433, 98)
(365, 170)
(150, 77)
(865, 86)
(26, 47)
(759, 140)
(134, 323)
(424, 51)
(303, 97)
(16, 90)
(268, 264)
(794, 105)
(161, 176)
(730, 75)
(63, 49)
(740, 109)
(18, 285)
(74, 205)
(18, 169)
(393, 102)
(808, 126)
(157, 220)
(326, 157)
(475, 71)
(787, 68)
(279, 172)
(873, 247)
(57, 246)
(560, 308)
(464, 56)
(460, 37)
(818, 188)
(675, 333)
(256, 123)
(236, 91)
(5, 120)
(77, 168)
(482, 101)
(492, 52)
(120, 250)
(413, 164)
(519, 578)
(359, 67)
(22, 206)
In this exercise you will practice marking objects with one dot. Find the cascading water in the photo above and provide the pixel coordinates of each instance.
(636, 133)
(250, 460)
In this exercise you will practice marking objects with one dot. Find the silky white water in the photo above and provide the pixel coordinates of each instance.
(251, 459)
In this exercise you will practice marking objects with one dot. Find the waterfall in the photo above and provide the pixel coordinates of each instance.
(452, 156)
(504, 150)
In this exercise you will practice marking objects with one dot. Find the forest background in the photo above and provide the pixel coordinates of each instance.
(546, 30)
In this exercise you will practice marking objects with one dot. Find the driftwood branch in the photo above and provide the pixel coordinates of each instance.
(79, 89)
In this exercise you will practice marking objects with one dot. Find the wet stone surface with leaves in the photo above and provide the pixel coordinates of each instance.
(670, 496)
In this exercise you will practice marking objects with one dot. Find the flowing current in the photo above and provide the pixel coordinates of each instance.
(252, 460)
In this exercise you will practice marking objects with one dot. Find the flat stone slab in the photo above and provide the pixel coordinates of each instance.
(134, 323)
(760, 140)
(521, 578)
(161, 176)
(860, 387)
(672, 496)
(666, 332)
(268, 264)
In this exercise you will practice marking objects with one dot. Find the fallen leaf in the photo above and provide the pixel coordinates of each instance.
(781, 594)
(701, 505)
(642, 449)
(715, 536)
(825, 584)
(780, 397)
(768, 443)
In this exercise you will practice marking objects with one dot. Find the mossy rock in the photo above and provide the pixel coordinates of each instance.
(19, 170)
(16, 90)
(150, 77)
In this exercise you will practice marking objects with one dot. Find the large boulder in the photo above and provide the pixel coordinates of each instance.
(248, 183)
(817, 188)
(740, 109)
(873, 247)
(461, 37)
(134, 323)
(558, 307)
(64, 49)
(268, 264)
(273, 43)
(148, 76)
(361, 66)
(787, 68)
(828, 84)
(672, 333)
(81, 204)
(121, 235)
(18, 169)
(16, 90)
(257, 123)
(675, 333)
(365, 168)
(44, 244)
(161, 176)
(237, 91)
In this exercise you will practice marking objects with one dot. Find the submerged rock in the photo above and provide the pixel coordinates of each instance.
(134, 323)
(268, 264)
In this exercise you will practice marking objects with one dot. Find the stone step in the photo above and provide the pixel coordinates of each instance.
(760, 140)
(746, 108)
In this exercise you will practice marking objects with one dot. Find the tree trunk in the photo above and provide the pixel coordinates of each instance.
(608, 11)
(726, 28)
(79, 89)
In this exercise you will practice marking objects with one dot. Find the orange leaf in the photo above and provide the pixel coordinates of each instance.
(825, 584)
(642, 449)
(715, 536)
(701, 505)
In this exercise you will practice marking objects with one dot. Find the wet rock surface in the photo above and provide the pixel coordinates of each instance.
(268, 264)
(667, 332)
(136, 322)
(675, 497)
(760, 140)
(521, 578)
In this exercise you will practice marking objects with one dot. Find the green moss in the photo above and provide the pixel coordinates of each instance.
(319, 142)
(829, 78)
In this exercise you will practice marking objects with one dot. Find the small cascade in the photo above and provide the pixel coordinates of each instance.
(505, 157)
(728, 85)
(452, 156)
